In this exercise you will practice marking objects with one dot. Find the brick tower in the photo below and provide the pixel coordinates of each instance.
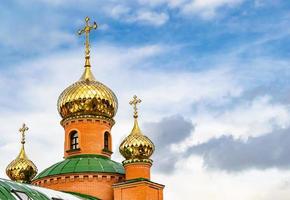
(87, 108)
(137, 150)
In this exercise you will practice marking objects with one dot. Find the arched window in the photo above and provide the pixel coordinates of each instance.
(106, 140)
(74, 140)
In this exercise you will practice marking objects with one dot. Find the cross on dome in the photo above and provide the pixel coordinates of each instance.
(134, 103)
(23, 130)
(86, 30)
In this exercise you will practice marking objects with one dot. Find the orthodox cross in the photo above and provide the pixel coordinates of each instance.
(22, 130)
(86, 30)
(134, 103)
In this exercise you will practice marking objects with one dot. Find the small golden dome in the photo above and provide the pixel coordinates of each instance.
(22, 169)
(87, 97)
(136, 147)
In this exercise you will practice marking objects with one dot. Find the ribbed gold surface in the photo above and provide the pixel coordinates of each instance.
(136, 147)
(87, 97)
(21, 169)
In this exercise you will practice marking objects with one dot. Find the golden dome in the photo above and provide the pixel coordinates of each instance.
(136, 147)
(87, 97)
(21, 169)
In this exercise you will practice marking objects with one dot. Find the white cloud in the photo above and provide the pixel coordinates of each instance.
(250, 118)
(149, 17)
(118, 11)
(198, 183)
(143, 16)
(207, 8)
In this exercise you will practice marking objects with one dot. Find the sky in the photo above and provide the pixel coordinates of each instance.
(213, 76)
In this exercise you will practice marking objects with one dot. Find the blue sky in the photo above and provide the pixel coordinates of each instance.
(213, 76)
(261, 25)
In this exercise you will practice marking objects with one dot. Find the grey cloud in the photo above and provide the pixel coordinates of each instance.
(226, 153)
(168, 131)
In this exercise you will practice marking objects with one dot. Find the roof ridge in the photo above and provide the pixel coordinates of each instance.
(88, 156)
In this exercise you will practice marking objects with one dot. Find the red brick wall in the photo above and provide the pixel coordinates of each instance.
(138, 191)
(97, 185)
(137, 170)
(91, 136)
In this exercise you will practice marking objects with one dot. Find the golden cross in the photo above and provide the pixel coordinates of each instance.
(134, 103)
(22, 130)
(87, 29)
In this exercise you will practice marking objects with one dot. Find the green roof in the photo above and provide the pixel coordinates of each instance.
(16, 191)
(83, 164)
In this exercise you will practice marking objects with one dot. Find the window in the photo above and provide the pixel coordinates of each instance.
(74, 140)
(106, 140)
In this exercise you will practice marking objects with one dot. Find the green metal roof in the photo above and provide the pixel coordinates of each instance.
(16, 191)
(83, 164)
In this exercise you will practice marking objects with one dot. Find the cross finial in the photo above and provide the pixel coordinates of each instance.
(86, 30)
(22, 130)
(134, 103)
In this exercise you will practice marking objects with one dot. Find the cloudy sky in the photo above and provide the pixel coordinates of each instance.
(214, 77)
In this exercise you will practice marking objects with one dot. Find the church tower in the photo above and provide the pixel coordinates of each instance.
(137, 150)
(87, 108)
(22, 169)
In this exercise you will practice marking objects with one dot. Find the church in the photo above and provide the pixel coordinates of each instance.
(87, 108)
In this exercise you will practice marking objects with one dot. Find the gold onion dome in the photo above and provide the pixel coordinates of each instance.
(87, 97)
(136, 147)
(22, 169)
